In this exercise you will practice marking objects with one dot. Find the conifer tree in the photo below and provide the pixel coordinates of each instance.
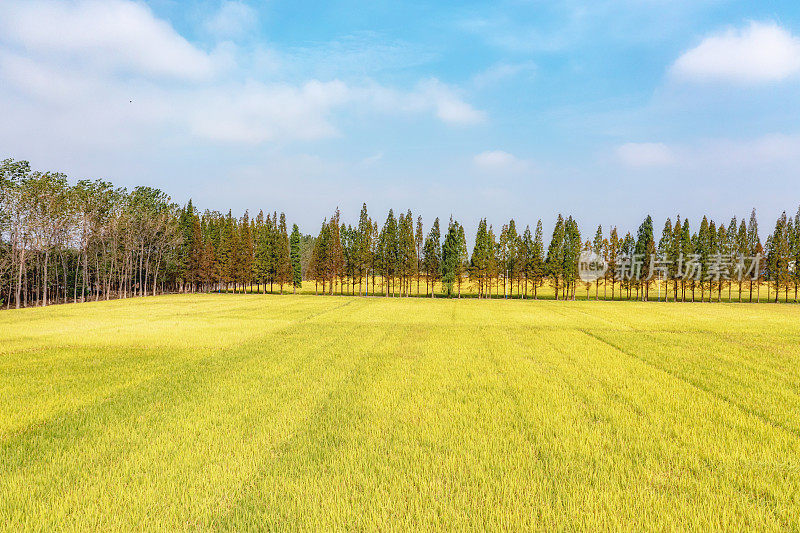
(463, 257)
(742, 251)
(645, 247)
(186, 226)
(778, 255)
(613, 258)
(451, 256)
(374, 253)
(699, 240)
(722, 254)
(665, 247)
(587, 248)
(407, 252)
(628, 250)
(526, 259)
(754, 249)
(731, 251)
(336, 256)
(479, 263)
(244, 267)
(364, 246)
(196, 252)
(273, 245)
(597, 248)
(318, 265)
(537, 257)
(350, 248)
(262, 251)
(796, 253)
(227, 249)
(297, 271)
(556, 254)
(674, 256)
(493, 261)
(686, 250)
(512, 244)
(572, 249)
(712, 248)
(432, 257)
(503, 256)
(208, 265)
(418, 242)
(388, 252)
(283, 254)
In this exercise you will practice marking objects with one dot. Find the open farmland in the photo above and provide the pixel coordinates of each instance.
(300, 412)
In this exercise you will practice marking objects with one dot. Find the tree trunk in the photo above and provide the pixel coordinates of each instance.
(19, 275)
(44, 280)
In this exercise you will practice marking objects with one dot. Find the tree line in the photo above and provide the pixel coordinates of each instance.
(62, 242)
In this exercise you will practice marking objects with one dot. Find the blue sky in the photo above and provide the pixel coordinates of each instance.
(607, 110)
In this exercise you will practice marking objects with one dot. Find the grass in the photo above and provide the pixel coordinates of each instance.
(233, 412)
(659, 291)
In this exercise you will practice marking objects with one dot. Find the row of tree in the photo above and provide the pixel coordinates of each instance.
(63, 242)
(713, 258)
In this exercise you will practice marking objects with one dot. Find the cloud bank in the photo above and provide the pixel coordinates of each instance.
(112, 69)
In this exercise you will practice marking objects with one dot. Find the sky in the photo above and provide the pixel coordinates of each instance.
(605, 110)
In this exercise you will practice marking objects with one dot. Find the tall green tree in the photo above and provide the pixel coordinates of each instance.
(481, 257)
(389, 252)
(451, 257)
(526, 259)
(664, 249)
(407, 255)
(537, 259)
(318, 263)
(297, 270)
(612, 259)
(462, 264)
(779, 255)
(336, 258)
(244, 259)
(572, 251)
(755, 250)
(556, 255)
(432, 257)
(597, 248)
(364, 246)
(419, 240)
(645, 247)
(795, 253)
(283, 254)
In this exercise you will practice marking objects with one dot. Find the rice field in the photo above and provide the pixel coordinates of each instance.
(238, 412)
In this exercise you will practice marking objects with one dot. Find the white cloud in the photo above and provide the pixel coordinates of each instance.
(498, 161)
(234, 19)
(445, 102)
(645, 154)
(755, 154)
(503, 71)
(256, 112)
(114, 35)
(723, 155)
(761, 52)
(370, 161)
(456, 111)
(429, 95)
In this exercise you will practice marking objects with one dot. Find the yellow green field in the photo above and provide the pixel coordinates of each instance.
(234, 412)
(659, 291)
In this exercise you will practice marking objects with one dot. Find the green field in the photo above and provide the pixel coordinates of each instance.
(303, 412)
